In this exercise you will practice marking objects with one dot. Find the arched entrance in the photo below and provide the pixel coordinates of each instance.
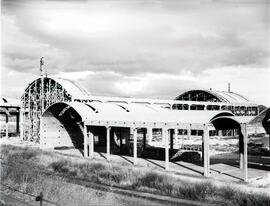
(232, 122)
(62, 127)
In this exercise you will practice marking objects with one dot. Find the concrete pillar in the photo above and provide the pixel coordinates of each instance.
(85, 142)
(241, 147)
(91, 144)
(206, 160)
(245, 155)
(175, 135)
(172, 134)
(189, 133)
(150, 135)
(219, 133)
(108, 130)
(165, 135)
(135, 136)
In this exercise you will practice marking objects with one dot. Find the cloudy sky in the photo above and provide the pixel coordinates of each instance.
(150, 48)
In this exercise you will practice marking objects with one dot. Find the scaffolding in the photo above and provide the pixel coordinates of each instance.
(37, 97)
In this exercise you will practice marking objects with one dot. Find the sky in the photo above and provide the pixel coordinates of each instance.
(136, 48)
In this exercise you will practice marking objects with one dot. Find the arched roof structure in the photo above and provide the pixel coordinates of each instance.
(39, 95)
(212, 96)
(66, 119)
(72, 87)
(96, 111)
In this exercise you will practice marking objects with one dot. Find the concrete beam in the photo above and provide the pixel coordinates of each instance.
(188, 126)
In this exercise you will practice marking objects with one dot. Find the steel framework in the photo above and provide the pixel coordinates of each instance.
(35, 100)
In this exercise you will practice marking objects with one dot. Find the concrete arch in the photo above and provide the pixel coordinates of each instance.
(231, 122)
(63, 125)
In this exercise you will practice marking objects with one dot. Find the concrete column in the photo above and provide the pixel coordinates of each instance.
(245, 155)
(175, 135)
(149, 135)
(206, 161)
(165, 135)
(172, 134)
(183, 138)
(219, 133)
(85, 142)
(108, 130)
(91, 144)
(135, 161)
(189, 133)
(241, 147)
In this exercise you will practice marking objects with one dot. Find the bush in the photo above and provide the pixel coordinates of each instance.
(60, 166)
(236, 197)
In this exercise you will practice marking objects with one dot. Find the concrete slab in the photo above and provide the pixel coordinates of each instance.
(227, 172)
(219, 171)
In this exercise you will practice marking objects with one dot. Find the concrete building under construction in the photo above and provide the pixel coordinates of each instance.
(57, 112)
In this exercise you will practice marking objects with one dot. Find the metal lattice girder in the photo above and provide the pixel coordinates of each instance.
(33, 99)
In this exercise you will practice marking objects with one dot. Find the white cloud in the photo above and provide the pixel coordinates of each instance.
(153, 49)
(251, 82)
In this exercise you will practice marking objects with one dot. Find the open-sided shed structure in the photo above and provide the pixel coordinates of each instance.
(81, 125)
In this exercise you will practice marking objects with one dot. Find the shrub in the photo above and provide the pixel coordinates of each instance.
(60, 166)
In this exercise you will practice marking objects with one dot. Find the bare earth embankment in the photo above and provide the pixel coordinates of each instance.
(33, 170)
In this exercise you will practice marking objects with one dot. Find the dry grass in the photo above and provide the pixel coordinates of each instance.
(139, 179)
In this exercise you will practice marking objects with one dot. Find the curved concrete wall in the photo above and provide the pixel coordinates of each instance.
(62, 127)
